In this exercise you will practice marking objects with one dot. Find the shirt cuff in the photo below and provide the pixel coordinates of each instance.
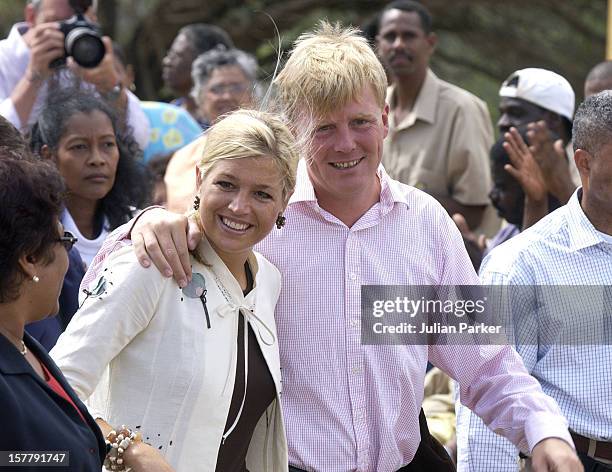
(7, 110)
(540, 426)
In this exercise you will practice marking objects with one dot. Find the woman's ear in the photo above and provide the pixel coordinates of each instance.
(45, 153)
(198, 178)
(28, 264)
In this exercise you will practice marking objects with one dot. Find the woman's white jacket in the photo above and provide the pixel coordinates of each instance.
(140, 353)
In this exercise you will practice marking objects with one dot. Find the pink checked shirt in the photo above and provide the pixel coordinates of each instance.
(350, 407)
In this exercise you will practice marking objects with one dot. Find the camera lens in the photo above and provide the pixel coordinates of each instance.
(85, 47)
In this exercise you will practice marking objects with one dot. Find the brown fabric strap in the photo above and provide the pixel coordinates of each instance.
(592, 448)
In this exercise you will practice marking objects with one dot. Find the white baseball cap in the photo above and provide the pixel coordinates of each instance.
(543, 88)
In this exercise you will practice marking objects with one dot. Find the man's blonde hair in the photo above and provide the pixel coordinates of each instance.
(327, 69)
(251, 133)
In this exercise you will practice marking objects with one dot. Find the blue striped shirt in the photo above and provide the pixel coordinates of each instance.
(562, 249)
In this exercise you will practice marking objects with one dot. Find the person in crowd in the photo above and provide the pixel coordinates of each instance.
(40, 411)
(598, 79)
(555, 324)
(224, 80)
(25, 72)
(79, 132)
(539, 105)
(125, 70)
(205, 357)
(45, 331)
(543, 101)
(157, 167)
(190, 42)
(348, 405)
(439, 134)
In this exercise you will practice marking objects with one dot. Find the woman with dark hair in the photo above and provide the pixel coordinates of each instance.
(79, 131)
(40, 411)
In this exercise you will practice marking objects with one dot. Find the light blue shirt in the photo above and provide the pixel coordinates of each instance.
(562, 249)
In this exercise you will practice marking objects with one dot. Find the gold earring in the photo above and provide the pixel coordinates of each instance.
(36, 279)
(280, 221)
(196, 203)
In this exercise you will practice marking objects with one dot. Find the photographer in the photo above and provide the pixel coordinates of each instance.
(25, 57)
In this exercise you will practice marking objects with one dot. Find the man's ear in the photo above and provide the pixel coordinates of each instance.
(582, 159)
(432, 39)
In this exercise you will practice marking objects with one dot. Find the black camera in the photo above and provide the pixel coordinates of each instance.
(82, 41)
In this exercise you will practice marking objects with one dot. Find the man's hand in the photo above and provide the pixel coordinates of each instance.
(556, 455)
(550, 156)
(524, 167)
(46, 43)
(166, 238)
(479, 241)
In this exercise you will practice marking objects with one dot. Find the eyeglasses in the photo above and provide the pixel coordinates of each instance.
(233, 89)
(67, 240)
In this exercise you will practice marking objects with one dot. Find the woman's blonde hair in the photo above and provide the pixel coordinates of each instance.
(251, 133)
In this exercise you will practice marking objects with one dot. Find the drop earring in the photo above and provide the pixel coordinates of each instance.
(196, 203)
(280, 221)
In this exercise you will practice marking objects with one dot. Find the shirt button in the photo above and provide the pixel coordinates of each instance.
(353, 276)
(355, 323)
(356, 370)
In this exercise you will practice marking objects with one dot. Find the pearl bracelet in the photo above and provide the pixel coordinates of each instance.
(117, 444)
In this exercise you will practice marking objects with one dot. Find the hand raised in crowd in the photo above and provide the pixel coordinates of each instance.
(554, 455)
(524, 167)
(46, 43)
(550, 156)
(165, 239)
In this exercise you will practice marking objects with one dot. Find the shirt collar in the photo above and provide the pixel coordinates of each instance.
(210, 257)
(582, 233)
(426, 103)
(304, 191)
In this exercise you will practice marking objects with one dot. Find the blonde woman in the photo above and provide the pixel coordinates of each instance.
(196, 370)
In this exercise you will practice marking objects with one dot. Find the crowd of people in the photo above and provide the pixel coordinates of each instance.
(182, 285)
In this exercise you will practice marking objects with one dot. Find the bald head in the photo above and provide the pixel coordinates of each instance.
(598, 79)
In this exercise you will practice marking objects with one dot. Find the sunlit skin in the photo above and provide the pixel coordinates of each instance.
(345, 153)
(240, 200)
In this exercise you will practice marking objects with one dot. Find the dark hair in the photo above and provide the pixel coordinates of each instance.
(32, 193)
(204, 37)
(410, 6)
(158, 164)
(131, 188)
(12, 141)
(593, 122)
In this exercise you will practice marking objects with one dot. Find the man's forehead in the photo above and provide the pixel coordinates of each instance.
(400, 19)
(53, 10)
(514, 102)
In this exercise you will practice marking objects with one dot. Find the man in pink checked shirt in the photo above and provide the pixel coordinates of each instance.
(350, 406)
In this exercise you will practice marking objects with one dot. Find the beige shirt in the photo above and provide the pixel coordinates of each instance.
(180, 177)
(442, 146)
